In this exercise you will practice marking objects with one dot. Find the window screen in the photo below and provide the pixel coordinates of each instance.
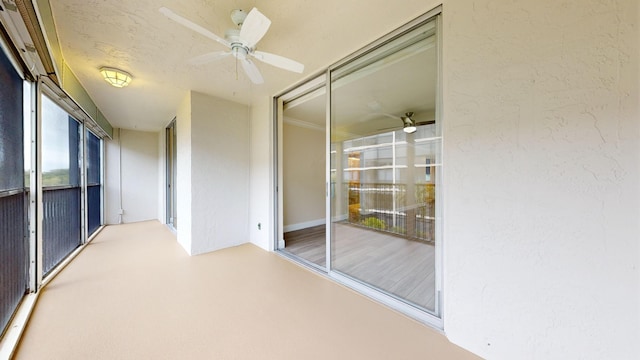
(13, 245)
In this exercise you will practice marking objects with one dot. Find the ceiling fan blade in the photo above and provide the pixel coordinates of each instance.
(429, 122)
(193, 26)
(252, 71)
(212, 56)
(278, 61)
(254, 27)
(399, 127)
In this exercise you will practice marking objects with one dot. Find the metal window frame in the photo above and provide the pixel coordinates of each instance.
(101, 179)
(46, 87)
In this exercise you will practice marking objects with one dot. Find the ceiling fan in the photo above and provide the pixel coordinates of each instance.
(241, 42)
(409, 125)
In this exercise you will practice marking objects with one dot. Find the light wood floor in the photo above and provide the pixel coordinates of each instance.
(398, 266)
(133, 293)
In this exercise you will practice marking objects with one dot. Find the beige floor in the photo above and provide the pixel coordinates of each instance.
(133, 293)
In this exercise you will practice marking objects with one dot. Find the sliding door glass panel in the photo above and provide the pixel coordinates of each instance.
(94, 186)
(383, 176)
(13, 241)
(61, 195)
(303, 176)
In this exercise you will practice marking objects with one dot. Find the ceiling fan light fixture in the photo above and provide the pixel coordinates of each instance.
(409, 129)
(408, 124)
(116, 77)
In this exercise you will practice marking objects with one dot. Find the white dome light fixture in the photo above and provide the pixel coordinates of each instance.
(116, 77)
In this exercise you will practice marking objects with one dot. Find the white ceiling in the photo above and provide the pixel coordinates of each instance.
(136, 37)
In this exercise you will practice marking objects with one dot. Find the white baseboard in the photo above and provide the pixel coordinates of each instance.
(303, 225)
(340, 218)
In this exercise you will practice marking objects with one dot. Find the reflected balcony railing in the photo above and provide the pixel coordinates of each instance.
(389, 208)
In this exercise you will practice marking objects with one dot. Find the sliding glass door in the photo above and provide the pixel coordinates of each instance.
(387, 144)
(382, 164)
(303, 173)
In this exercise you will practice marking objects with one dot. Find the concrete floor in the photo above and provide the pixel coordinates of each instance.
(133, 293)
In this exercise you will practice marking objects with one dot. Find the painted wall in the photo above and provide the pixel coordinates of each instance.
(183, 174)
(213, 173)
(220, 182)
(303, 176)
(162, 176)
(541, 174)
(132, 158)
(261, 196)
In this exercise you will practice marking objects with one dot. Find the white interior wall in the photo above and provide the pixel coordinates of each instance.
(541, 176)
(304, 180)
(261, 196)
(212, 173)
(112, 179)
(132, 160)
(541, 151)
(219, 173)
(183, 174)
(162, 177)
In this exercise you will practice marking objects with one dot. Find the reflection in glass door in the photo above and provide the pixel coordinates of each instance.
(385, 161)
(303, 175)
(381, 183)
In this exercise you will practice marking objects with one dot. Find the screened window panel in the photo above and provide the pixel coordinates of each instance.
(94, 201)
(61, 196)
(60, 144)
(61, 225)
(11, 136)
(13, 244)
(93, 159)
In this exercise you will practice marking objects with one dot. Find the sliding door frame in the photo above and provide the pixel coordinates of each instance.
(307, 87)
(435, 318)
(171, 175)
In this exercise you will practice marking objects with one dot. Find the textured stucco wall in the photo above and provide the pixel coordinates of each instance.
(131, 157)
(261, 195)
(162, 177)
(219, 173)
(541, 174)
(183, 173)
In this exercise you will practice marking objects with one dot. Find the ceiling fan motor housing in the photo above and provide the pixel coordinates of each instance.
(238, 49)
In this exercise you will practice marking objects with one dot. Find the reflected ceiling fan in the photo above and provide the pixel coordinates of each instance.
(409, 125)
(241, 42)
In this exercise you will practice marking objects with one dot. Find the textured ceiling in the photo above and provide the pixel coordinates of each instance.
(136, 37)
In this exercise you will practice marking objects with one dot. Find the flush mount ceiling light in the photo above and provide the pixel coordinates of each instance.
(116, 77)
(409, 125)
